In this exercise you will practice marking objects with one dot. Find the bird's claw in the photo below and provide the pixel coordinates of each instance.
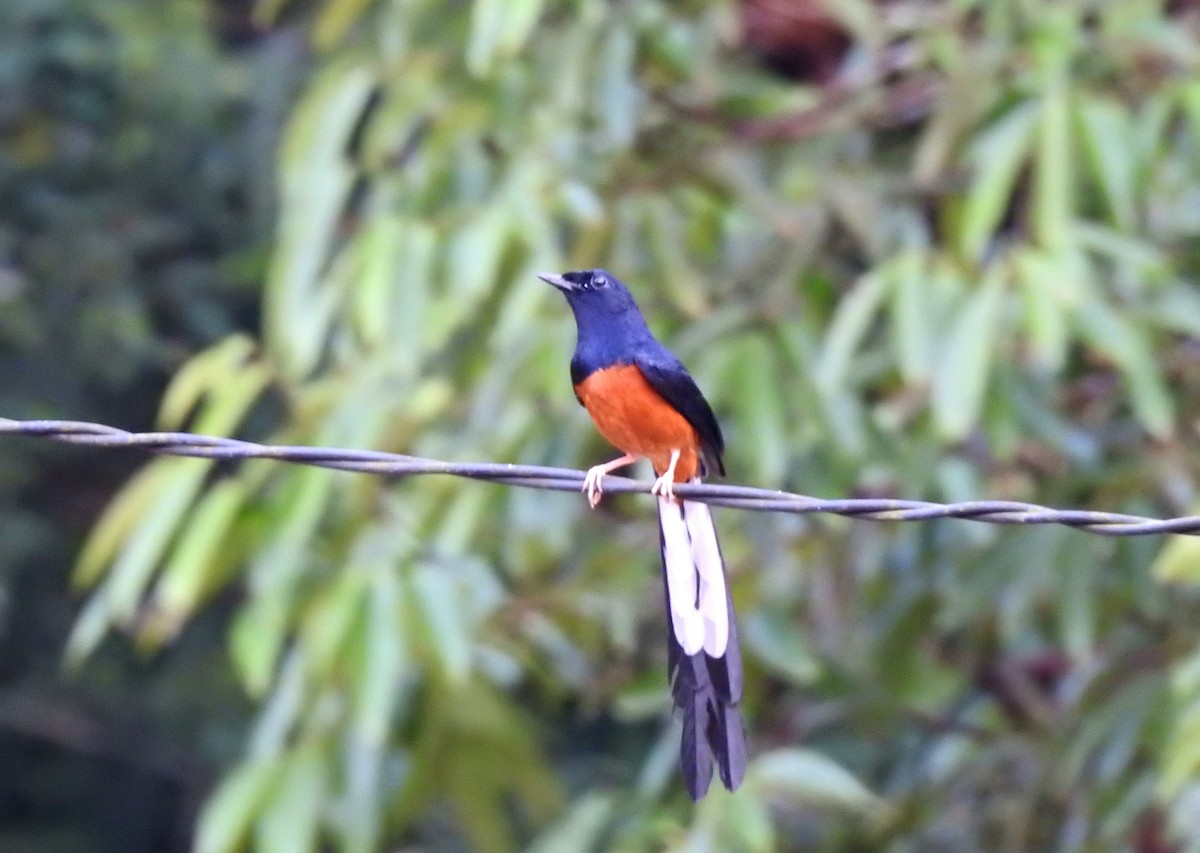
(665, 486)
(592, 481)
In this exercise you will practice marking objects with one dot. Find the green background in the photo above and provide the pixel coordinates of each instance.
(937, 250)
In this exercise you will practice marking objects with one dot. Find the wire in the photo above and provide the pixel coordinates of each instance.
(571, 480)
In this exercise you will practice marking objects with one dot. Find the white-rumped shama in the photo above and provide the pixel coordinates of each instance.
(643, 400)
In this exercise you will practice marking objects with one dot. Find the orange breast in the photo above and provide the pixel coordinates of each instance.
(637, 420)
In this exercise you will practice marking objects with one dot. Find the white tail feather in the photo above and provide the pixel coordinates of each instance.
(687, 621)
(706, 557)
(692, 557)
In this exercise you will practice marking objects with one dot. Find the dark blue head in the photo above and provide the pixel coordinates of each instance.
(603, 306)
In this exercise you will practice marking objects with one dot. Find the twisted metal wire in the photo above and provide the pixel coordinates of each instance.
(570, 480)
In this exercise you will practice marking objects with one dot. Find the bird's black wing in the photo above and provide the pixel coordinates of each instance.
(667, 375)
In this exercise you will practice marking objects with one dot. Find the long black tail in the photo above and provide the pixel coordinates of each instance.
(704, 661)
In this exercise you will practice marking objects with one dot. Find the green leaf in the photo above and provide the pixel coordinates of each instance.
(385, 657)
(335, 19)
(1053, 207)
(780, 644)
(329, 621)
(809, 778)
(1107, 138)
(225, 821)
(996, 159)
(764, 418)
(198, 376)
(855, 313)
(315, 180)
(499, 30)
(379, 255)
(411, 286)
(961, 376)
(1181, 762)
(292, 813)
(284, 712)
(448, 630)
(256, 641)
(665, 245)
(258, 633)
(188, 572)
(472, 270)
(145, 547)
(1047, 291)
(1117, 337)
(1189, 99)
(580, 829)
(1178, 561)
(618, 95)
(912, 326)
(120, 516)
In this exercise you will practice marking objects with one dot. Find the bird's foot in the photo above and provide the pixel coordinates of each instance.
(592, 484)
(592, 480)
(665, 486)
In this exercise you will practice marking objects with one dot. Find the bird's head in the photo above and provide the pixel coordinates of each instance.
(593, 294)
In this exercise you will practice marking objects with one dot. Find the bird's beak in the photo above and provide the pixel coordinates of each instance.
(556, 280)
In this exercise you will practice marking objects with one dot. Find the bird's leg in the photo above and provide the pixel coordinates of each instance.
(595, 474)
(665, 485)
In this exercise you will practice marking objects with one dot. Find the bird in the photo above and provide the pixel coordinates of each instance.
(644, 402)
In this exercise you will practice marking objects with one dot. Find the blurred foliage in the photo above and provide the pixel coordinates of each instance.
(135, 207)
(961, 266)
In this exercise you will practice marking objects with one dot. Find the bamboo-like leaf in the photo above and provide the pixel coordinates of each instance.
(1106, 134)
(1127, 345)
(912, 325)
(315, 179)
(1178, 561)
(619, 97)
(231, 810)
(1053, 205)
(328, 623)
(200, 375)
(581, 827)
(335, 19)
(448, 630)
(472, 268)
(764, 421)
(747, 823)
(961, 377)
(379, 253)
(996, 160)
(809, 778)
(1181, 761)
(665, 243)
(1189, 99)
(781, 645)
(411, 285)
(187, 574)
(499, 30)
(292, 812)
(258, 633)
(385, 658)
(855, 313)
(1047, 290)
(256, 641)
(119, 519)
(144, 549)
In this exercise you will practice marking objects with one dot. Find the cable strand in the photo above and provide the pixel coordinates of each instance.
(571, 480)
